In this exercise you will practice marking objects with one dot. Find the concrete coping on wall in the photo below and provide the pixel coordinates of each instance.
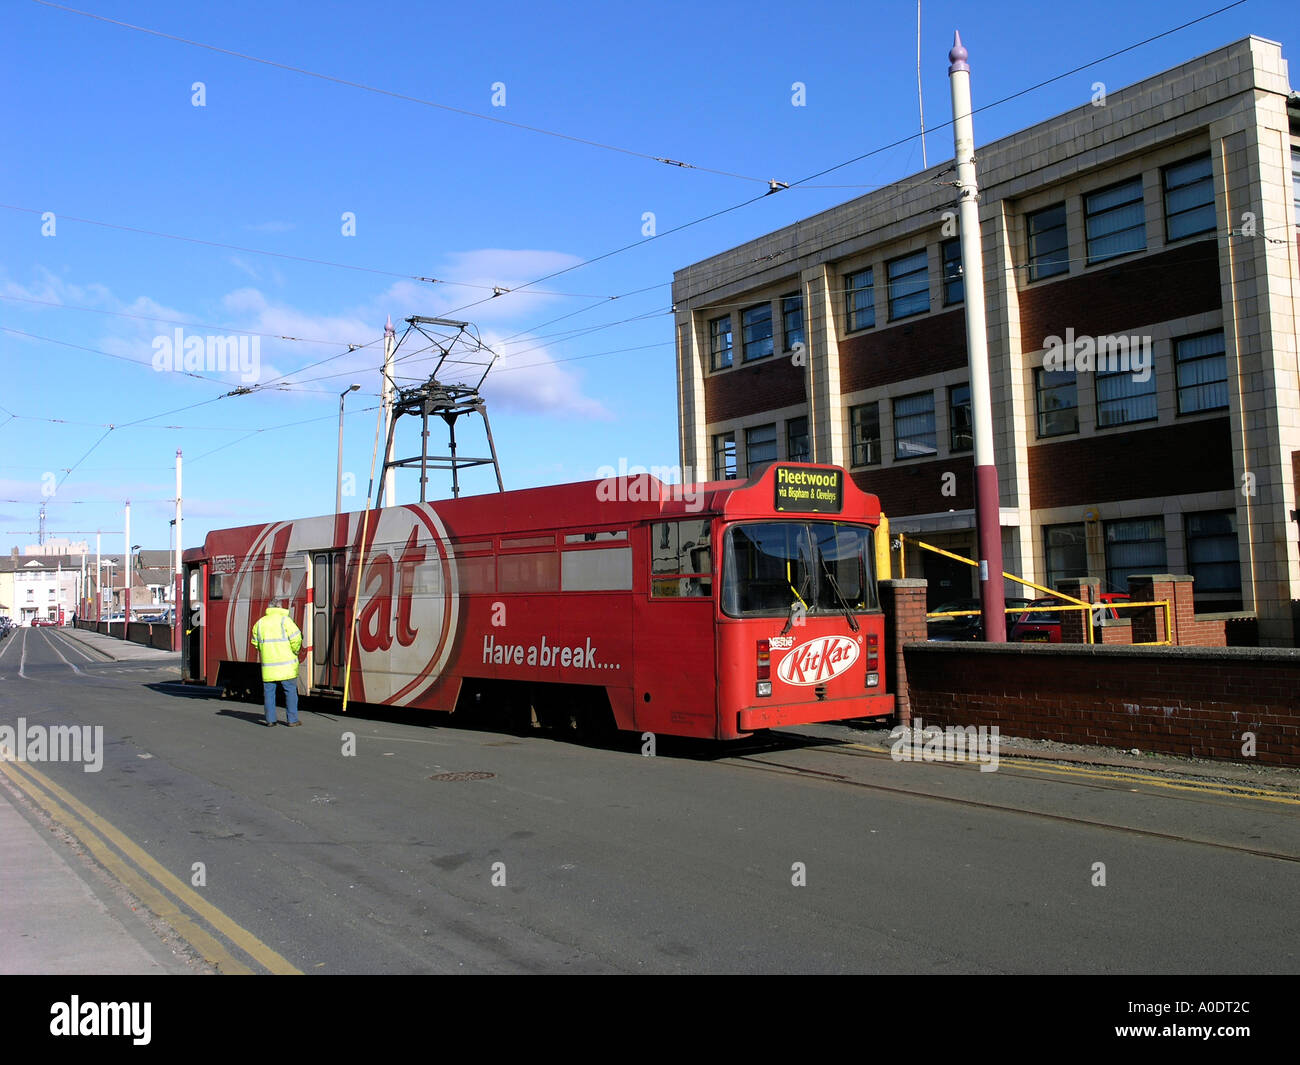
(1177, 578)
(1282, 656)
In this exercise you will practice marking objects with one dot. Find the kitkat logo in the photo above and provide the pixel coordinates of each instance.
(817, 661)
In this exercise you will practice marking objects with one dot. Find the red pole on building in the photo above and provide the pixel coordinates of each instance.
(987, 507)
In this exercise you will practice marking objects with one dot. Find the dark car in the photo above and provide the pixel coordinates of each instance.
(969, 627)
(1044, 626)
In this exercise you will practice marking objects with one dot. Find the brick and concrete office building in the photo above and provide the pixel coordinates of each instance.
(1161, 226)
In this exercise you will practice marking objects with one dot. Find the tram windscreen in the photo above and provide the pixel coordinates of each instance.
(828, 567)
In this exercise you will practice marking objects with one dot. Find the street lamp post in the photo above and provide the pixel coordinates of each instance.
(338, 480)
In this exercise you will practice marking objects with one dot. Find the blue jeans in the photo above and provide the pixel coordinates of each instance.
(290, 699)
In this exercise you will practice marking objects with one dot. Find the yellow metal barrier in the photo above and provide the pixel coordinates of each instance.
(1074, 604)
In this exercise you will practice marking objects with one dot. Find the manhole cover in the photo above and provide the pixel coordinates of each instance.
(456, 778)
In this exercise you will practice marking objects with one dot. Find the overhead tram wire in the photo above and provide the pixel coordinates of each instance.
(858, 158)
(496, 290)
(497, 119)
(165, 321)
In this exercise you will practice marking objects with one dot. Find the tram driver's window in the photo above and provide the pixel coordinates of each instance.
(681, 560)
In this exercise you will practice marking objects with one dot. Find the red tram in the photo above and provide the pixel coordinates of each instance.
(706, 610)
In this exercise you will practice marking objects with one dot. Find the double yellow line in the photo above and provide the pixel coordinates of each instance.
(163, 893)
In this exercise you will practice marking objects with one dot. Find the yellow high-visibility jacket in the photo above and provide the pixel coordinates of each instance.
(278, 640)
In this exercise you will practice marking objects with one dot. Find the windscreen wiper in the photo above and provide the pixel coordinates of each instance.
(853, 622)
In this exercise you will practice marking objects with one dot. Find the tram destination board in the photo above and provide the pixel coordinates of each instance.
(810, 491)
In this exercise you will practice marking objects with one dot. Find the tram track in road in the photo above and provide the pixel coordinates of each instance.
(752, 759)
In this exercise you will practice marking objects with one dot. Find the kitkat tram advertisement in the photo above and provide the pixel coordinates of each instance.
(708, 610)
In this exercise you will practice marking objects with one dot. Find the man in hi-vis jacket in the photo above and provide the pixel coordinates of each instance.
(278, 640)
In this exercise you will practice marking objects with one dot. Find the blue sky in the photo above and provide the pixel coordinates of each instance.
(99, 124)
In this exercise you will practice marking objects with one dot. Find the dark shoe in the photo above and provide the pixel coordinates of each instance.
(294, 724)
(268, 724)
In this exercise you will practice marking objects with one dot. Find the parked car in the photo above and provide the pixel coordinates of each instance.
(969, 627)
(1045, 626)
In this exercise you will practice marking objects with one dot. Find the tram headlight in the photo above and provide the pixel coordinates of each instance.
(873, 680)
(764, 688)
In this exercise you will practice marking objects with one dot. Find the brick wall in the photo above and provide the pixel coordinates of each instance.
(881, 356)
(1165, 460)
(903, 604)
(1195, 702)
(766, 385)
(917, 487)
(1174, 284)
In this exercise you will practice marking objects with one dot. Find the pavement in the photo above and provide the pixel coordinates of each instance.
(61, 913)
(114, 648)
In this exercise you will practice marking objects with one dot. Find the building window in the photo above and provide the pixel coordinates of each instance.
(909, 285)
(1136, 546)
(1295, 183)
(954, 283)
(796, 440)
(1058, 402)
(1049, 246)
(1065, 548)
(1189, 198)
(1115, 221)
(720, 342)
(792, 320)
(914, 434)
(760, 446)
(864, 423)
(724, 457)
(1202, 369)
(756, 331)
(860, 300)
(1122, 398)
(1212, 550)
(959, 425)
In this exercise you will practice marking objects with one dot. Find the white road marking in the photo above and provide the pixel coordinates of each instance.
(55, 648)
(69, 641)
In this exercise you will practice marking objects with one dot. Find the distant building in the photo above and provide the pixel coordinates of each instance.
(57, 546)
(1155, 234)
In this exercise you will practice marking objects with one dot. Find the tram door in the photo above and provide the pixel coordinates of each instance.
(329, 628)
(191, 621)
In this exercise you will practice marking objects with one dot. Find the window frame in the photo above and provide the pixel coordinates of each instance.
(715, 349)
(1149, 392)
(786, 330)
(852, 289)
(1090, 215)
(1189, 539)
(770, 338)
(791, 436)
(1143, 567)
(1050, 576)
(1041, 267)
(1165, 190)
(900, 438)
(1039, 390)
(953, 447)
(957, 280)
(750, 430)
(720, 453)
(855, 423)
(923, 256)
(1180, 362)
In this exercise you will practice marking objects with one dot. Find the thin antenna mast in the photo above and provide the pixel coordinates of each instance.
(919, 103)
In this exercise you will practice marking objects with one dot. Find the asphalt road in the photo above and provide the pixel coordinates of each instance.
(434, 848)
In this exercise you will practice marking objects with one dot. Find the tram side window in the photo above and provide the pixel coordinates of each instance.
(216, 585)
(681, 560)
